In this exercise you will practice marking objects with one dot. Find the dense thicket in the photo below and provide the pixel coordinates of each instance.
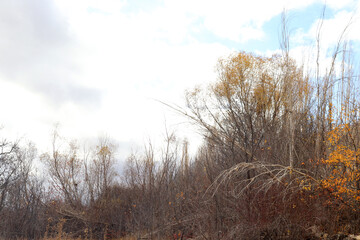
(280, 159)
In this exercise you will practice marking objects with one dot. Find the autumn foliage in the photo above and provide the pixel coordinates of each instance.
(343, 177)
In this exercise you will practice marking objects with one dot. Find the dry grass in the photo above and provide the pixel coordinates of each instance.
(59, 234)
(69, 238)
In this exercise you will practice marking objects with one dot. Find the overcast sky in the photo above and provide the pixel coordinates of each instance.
(95, 67)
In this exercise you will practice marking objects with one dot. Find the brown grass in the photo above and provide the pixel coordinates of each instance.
(69, 238)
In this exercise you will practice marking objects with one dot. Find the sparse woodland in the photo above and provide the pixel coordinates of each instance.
(280, 160)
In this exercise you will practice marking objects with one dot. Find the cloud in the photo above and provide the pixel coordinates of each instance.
(235, 20)
(333, 28)
(336, 4)
(78, 54)
(342, 26)
(38, 51)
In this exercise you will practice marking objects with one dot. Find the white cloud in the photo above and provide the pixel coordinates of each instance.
(303, 43)
(235, 20)
(129, 59)
(336, 4)
(82, 54)
(37, 50)
(332, 28)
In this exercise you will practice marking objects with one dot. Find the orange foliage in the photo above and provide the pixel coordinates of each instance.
(343, 162)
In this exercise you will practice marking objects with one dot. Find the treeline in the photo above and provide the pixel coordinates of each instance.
(280, 160)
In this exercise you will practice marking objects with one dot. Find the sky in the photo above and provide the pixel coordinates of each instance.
(98, 68)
